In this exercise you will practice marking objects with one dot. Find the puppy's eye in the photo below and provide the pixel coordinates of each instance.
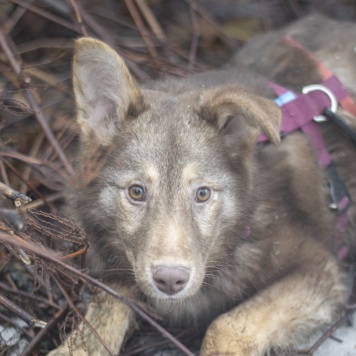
(136, 192)
(202, 194)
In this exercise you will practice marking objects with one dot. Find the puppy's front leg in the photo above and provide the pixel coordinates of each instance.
(110, 318)
(279, 316)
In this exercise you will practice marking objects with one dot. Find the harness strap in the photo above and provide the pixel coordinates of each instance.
(347, 102)
(296, 117)
(298, 112)
(336, 119)
(301, 111)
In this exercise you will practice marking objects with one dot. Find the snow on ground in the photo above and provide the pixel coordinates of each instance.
(346, 334)
(347, 347)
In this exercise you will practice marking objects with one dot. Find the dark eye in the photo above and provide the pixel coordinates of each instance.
(202, 194)
(136, 192)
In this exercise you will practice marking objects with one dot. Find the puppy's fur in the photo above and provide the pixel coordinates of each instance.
(255, 255)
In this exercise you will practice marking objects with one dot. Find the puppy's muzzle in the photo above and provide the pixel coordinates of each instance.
(170, 279)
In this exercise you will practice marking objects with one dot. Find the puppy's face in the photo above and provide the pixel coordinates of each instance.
(179, 172)
(173, 193)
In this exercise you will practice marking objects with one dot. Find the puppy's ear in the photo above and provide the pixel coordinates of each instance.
(104, 90)
(240, 117)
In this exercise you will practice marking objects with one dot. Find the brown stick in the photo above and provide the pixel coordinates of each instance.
(195, 39)
(46, 15)
(33, 153)
(12, 219)
(39, 336)
(37, 110)
(4, 173)
(17, 198)
(199, 10)
(35, 191)
(30, 320)
(151, 20)
(79, 17)
(75, 254)
(142, 29)
(13, 323)
(39, 202)
(28, 295)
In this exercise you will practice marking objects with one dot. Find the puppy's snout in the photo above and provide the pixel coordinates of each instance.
(170, 280)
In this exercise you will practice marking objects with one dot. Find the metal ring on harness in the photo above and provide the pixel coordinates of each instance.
(328, 92)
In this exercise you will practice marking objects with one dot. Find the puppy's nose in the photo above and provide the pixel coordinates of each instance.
(170, 280)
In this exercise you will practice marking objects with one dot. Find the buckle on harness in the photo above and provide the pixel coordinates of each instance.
(328, 92)
(340, 199)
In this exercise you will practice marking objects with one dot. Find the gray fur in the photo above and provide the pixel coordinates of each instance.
(275, 286)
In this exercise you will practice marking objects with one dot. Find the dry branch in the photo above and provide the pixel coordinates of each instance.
(30, 320)
(32, 296)
(17, 198)
(40, 117)
(47, 15)
(12, 219)
(151, 20)
(142, 28)
(195, 39)
(30, 186)
(44, 332)
(79, 17)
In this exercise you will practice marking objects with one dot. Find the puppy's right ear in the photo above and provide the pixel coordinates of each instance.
(104, 90)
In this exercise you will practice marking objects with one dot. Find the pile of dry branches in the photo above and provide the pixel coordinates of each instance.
(43, 284)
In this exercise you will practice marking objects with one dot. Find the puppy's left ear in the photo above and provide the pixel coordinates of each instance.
(240, 117)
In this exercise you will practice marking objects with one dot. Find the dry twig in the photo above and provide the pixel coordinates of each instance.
(47, 15)
(79, 17)
(143, 31)
(17, 198)
(25, 81)
(151, 20)
(30, 320)
(44, 332)
(195, 39)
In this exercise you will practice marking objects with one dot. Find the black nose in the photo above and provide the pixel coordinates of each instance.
(170, 280)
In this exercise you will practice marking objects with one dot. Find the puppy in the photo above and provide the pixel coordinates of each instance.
(192, 216)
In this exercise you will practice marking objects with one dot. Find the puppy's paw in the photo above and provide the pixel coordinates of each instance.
(226, 337)
(110, 318)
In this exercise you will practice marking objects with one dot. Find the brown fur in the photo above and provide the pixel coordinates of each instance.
(267, 291)
(333, 44)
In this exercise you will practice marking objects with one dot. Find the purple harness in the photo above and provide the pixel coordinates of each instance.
(304, 112)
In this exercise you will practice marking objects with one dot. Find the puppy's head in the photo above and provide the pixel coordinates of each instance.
(177, 182)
